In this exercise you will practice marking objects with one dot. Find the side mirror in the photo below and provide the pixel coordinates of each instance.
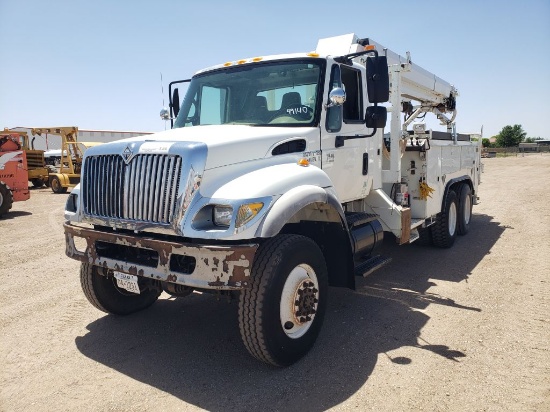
(165, 114)
(176, 102)
(376, 117)
(378, 80)
(337, 97)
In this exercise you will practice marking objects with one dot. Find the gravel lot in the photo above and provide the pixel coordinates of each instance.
(464, 329)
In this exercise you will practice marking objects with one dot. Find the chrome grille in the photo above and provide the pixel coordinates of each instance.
(144, 190)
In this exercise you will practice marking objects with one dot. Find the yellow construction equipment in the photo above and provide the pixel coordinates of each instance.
(71, 157)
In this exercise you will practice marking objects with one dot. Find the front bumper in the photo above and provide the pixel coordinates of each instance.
(211, 267)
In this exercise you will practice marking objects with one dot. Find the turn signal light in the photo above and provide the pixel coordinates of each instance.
(303, 162)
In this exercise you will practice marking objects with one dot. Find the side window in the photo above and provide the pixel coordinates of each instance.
(334, 114)
(212, 105)
(353, 107)
(189, 108)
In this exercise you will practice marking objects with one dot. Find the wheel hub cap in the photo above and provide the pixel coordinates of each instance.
(305, 304)
(299, 301)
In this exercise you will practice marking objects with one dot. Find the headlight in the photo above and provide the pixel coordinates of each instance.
(70, 205)
(247, 212)
(222, 215)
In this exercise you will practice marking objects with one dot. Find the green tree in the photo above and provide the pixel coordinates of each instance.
(485, 142)
(511, 136)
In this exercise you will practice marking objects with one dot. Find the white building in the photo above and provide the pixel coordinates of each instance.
(53, 142)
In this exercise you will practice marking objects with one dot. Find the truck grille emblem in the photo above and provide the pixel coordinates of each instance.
(127, 154)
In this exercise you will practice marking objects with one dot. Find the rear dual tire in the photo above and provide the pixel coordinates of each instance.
(455, 218)
(465, 205)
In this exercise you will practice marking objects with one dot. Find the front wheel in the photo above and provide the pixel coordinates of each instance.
(102, 291)
(6, 198)
(281, 314)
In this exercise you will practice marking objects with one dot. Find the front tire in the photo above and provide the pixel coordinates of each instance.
(6, 198)
(444, 230)
(103, 293)
(281, 314)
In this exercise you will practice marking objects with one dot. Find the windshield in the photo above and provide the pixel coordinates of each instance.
(283, 93)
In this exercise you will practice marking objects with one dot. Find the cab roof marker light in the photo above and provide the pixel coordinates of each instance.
(227, 64)
(370, 47)
(312, 54)
(257, 59)
(241, 61)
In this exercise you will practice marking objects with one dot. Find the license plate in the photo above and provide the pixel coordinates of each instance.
(127, 282)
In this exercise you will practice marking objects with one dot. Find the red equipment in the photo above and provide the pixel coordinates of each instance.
(14, 175)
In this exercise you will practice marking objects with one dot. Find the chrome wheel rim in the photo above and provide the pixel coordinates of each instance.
(468, 209)
(452, 219)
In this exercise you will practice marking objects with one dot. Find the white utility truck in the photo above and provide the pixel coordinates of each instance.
(276, 181)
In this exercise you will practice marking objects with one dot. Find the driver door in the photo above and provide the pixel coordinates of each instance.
(346, 164)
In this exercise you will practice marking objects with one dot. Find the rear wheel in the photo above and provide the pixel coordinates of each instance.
(465, 205)
(6, 198)
(56, 186)
(38, 182)
(425, 236)
(281, 314)
(445, 228)
(100, 288)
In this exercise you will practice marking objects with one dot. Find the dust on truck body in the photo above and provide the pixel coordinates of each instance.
(275, 181)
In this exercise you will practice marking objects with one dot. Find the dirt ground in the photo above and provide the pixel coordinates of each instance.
(464, 329)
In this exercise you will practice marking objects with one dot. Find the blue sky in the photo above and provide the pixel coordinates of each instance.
(97, 64)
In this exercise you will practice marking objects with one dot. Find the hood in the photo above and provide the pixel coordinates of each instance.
(231, 144)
